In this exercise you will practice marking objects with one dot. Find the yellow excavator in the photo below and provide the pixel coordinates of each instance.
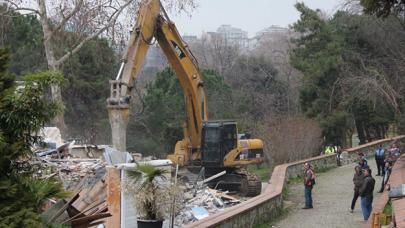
(211, 144)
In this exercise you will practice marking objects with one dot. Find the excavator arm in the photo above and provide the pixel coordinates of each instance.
(152, 24)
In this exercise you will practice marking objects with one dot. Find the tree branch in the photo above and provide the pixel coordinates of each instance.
(16, 7)
(70, 15)
(112, 21)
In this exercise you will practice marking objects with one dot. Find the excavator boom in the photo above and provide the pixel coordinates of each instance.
(151, 24)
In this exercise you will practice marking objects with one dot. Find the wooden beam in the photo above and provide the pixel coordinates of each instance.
(114, 197)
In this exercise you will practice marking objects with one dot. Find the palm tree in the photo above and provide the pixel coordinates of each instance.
(147, 181)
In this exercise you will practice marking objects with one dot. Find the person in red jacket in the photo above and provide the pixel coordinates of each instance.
(309, 182)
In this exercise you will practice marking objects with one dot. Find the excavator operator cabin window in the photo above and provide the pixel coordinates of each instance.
(229, 137)
(212, 145)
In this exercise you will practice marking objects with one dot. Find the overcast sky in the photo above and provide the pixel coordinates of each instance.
(249, 15)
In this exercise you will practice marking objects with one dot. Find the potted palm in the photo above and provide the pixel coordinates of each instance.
(152, 195)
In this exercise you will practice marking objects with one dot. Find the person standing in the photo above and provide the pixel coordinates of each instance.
(379, 159)
(339, 156)
(358, 179)
(363, 164)
(363, 157)
(394, 151)
(387, 172)
(366, 194)
(309, 182)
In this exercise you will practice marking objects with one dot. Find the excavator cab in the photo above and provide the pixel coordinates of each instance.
(219, 142)
(218, 139)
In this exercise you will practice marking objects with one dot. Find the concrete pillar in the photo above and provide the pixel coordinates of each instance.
(119, 116)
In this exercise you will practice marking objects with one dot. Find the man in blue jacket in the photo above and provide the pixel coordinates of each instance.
(379, 159)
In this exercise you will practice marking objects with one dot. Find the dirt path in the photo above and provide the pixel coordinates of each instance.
(332, 198)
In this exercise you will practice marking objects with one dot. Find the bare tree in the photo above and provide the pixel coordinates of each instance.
(216, 52)
(290, 139)
(277, 47)
(86, 20)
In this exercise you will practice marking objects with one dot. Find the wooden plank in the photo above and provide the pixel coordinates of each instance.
(114, 197)
(95, 208)
(90, 195)
(222, 194)
(67, 204)
(85, 221)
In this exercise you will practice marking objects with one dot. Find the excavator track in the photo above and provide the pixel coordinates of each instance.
(251, 184)
(245, 183)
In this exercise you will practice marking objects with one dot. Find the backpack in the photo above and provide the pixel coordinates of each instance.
(313, 182)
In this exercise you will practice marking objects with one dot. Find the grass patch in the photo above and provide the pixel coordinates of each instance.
(283, 215)
(263, 171)
(286, 192)
(296, 180)
(322, 169)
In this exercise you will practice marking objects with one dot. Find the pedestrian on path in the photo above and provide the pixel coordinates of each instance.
(329, 150)
(366, 194)
(363, 164)
(339, 156)
(358, 179)
(379, 159)
(309, 182)
(387, 172)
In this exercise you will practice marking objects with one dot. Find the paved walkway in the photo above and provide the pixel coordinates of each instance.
(332, 196)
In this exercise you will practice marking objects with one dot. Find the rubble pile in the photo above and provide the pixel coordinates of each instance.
(72, 171)
(58, 162)
(80, 172)
(204, 202)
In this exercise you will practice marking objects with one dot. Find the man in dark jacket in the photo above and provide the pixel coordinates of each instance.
(379, 159)
(309, 180)
(366, 194)
(358, 179)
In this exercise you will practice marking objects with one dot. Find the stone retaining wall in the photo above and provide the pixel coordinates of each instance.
(268, 205)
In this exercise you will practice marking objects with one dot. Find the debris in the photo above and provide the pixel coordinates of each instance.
(223, 195)
(82, 170)
(199, 212)
(58, 150)
(74, 213)
(51, 135)
(137, 156)
(212, 177)
(113, 156)
(211, 200)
